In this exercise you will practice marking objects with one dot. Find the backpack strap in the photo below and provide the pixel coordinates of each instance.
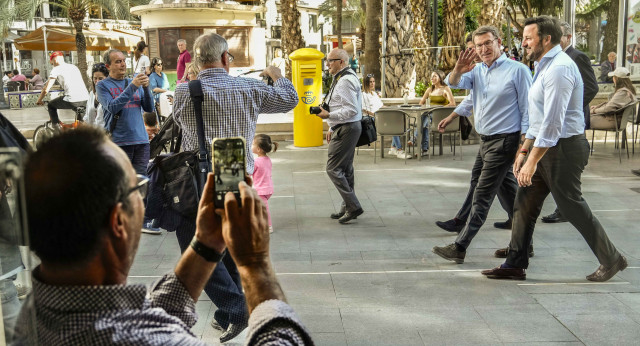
(197, 96)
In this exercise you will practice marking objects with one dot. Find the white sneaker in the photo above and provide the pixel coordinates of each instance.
(393, 151)
(402, 155)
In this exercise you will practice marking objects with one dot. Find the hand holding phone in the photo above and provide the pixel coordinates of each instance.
(228, 163)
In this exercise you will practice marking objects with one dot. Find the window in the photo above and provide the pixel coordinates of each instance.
(313, 22)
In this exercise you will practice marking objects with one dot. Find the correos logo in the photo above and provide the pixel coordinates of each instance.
(308, 98)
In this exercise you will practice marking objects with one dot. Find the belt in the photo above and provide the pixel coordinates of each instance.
(498, 136)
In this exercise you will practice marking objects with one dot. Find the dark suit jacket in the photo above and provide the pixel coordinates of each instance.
(588, 78)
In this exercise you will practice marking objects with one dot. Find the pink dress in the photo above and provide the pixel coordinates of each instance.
(262, 181)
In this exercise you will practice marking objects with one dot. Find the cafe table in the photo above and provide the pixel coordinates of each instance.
(416, 111)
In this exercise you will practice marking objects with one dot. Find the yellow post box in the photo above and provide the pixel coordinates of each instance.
(307, 80)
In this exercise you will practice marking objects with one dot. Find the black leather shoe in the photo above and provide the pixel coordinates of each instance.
(452, 225)
(350, 215)
(450, 252)
(502, 253)
(636, 172)
(554, 217)
(603, 274)
(337, 215)
(233, 331)
(505, 273)
(503, 225)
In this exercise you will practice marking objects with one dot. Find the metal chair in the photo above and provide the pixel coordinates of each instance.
(623, 116)
(391, 122)
(437, 115)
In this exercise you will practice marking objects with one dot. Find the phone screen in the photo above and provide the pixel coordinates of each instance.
(228, 162)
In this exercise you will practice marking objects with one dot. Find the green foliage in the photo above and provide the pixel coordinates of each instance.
(471, 13)
(352, 8)
(420, 89)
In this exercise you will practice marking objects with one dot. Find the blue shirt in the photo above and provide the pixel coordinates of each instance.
(156, 81)
(115, 97)
(499, 95)
(465, 107)
(555, 100)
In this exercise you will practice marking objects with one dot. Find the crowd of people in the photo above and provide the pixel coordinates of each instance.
(532, 144)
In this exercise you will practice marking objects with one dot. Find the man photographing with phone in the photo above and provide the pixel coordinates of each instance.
(345, 103)
(230, 109)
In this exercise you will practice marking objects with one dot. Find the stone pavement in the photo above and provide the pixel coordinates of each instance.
(376, 282)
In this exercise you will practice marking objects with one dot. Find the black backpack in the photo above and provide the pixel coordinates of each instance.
(168, 139)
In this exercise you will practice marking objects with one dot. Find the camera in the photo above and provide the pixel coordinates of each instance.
(317, 110)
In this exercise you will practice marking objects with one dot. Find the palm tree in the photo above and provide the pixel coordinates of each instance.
(76, 12)
(423, 58)
(291, 34)
(454, 24)
(491, 13)
(338, 19)
(372, 38)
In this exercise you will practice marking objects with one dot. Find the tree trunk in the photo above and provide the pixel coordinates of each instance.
(611, 31)
(291, 34)
(81, 48)
(453, 12)
(372, 39)
(399, 66)
(491, 13)
(424, 59)
(2, 100)
(339, 22)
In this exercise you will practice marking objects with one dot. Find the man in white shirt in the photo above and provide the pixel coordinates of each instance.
(70, 78)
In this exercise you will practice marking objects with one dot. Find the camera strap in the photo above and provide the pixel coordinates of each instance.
(345, 71)
(197, 96)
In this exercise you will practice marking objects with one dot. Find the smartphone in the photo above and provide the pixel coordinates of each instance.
(228, 161)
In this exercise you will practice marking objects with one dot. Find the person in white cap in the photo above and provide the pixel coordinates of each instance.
(623, 95)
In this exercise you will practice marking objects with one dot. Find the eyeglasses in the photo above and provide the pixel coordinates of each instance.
(332, 60)
(230, 56)
(487, 44)
(142, 186)
(370, 75)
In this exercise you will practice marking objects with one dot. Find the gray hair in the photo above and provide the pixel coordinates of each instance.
(107, 55)
(209, 48)
(182, 41)
(566, 28)
(487, 29)
(341, 54)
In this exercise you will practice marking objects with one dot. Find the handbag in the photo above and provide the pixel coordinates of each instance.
(465, 128)
(369, 133)
(176, 180)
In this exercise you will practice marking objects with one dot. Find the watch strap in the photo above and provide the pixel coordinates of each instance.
(209, 254)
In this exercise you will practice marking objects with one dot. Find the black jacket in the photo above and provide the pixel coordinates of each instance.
(588, 78)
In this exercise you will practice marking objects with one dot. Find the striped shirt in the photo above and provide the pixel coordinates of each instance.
(230, 108)
(345, 102)
(129, 315)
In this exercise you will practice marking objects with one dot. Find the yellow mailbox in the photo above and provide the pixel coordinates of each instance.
(307, 80)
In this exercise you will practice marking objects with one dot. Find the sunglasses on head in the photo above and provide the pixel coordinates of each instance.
(370, 75)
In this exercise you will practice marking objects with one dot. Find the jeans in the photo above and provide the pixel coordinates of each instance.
(426, 123)
(396, 143)
(139, 156)
(59, 103)
(10, 306)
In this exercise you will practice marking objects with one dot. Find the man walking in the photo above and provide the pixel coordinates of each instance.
(123, 100)
(70, 79)
(500, 87)
(343, 116)
(553, 156)
(230, 108)
(590, 91)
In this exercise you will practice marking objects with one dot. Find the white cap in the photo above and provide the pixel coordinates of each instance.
(620, 72)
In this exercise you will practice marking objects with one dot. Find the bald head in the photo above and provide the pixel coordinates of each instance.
(337, 60)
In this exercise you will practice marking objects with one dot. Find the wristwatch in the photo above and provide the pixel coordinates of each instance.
(209, 254)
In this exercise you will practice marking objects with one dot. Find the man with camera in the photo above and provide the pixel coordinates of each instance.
(343, 110)
(230, 109)
(87, 243)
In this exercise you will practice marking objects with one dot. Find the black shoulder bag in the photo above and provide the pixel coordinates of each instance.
(176, 180)
(114, 121)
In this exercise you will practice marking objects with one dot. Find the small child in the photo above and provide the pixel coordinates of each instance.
(262, 182)
(151, 124)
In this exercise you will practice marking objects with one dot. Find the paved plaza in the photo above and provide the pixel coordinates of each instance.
(376, 282)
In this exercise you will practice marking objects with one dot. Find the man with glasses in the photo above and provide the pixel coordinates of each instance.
(344, 115)
(500, 87)
(230, 109)
(88, 239)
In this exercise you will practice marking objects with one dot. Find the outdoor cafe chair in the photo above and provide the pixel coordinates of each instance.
(623, 116)
(392, 122)
(437, 115)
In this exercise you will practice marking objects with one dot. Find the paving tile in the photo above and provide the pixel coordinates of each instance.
(329, 339)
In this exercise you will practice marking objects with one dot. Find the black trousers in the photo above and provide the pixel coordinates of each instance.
(493, 166)
(559, 172)
(59, 103)
(340, 162)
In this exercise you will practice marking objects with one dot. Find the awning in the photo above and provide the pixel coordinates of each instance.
(64, 39)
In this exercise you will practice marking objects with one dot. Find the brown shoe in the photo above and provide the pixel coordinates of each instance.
(505, 273)
(502, 253)
(603, 274)
(450, 252)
